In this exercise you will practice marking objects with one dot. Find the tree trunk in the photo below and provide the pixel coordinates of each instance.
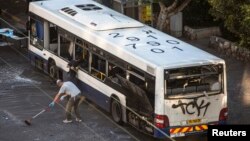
(164, 15)
(163, 21)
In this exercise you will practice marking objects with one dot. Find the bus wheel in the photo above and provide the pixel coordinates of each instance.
(116, 110)
(53, 71)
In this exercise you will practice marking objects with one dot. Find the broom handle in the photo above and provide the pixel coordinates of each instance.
(46, 109)
(39, 113)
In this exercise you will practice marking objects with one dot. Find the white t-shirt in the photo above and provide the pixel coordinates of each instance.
(69, 88)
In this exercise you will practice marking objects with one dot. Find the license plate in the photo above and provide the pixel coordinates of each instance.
(177, 135)
(194, 121)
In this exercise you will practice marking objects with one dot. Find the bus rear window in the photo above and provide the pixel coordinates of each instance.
(194, 80)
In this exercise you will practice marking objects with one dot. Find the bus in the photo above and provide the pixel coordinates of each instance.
(159, 84)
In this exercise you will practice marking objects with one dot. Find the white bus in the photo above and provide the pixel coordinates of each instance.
(142, 76)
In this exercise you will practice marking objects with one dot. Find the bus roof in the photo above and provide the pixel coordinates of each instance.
(138, 44)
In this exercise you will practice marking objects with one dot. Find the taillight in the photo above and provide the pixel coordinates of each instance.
(161, 121)
(223, 114)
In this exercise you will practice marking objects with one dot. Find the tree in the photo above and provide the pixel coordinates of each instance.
(107, 3)
(168, 9)
(197, 15)
(236, 17)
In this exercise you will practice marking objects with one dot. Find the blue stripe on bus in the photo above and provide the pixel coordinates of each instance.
(32, 57)
(158, 133)
(94, 95)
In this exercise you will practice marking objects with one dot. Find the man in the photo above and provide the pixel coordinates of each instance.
(69, 89)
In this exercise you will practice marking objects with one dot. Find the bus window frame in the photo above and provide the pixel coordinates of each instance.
(83, 46)
(113, 77)
(59, 48)
(193, 94)
(56, 52)
(92, 68)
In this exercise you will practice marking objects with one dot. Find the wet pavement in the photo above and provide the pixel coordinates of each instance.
(25, 91)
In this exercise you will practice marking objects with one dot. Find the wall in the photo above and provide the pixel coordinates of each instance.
(229, 48)
(194, 34)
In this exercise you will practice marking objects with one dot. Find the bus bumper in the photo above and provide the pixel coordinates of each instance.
(180, 131)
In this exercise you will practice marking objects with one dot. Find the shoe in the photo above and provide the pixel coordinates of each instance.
(67, 121)
(78, 120)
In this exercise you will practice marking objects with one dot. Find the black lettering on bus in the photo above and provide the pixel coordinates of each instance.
(177, 48)
(133, 45)
(157, 50)
(152, 36)
(148, 31)
(193, 107)
(153, 43)
(116, 35)
(172, 42)
(133, 38)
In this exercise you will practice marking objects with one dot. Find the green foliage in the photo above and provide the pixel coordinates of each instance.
(196, 14)
(236, 17)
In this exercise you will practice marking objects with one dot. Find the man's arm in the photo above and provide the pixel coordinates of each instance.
(57, 97)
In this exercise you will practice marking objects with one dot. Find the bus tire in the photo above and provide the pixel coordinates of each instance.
(53, 71)
(116, 110)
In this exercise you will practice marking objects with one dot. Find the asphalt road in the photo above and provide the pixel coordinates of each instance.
(25, 91)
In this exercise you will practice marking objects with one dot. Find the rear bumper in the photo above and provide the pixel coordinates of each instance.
(189, 130)
(181, 131)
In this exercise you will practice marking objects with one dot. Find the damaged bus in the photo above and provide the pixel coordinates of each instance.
(158, 84)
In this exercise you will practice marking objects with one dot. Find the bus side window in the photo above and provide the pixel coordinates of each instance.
(113, 71)
(150, 89)
(53, 34)
(66, 48)
(98, 67)
(37, 33)
(136, 77)
(84, 53)
(53, 38)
